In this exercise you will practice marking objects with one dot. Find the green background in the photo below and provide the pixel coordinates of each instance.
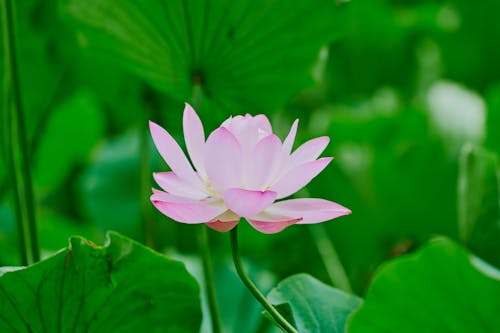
(408, 91)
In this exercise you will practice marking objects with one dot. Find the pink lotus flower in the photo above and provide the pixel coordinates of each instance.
(239, 171)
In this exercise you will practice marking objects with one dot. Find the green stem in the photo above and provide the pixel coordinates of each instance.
(330, 258)
(279, 319)
(9, 155)
(24, 189)
(203, 245)
(41, 127)
(208, 278)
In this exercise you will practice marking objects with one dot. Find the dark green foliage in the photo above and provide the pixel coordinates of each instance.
(315, 307)
(440, 288)
(121, 287)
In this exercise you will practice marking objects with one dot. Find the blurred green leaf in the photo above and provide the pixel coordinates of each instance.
(73, 130)
(3, 170)
(9, 247)
(121, 287)
(457, 114)
(479, 202)
(45, 59)
(54, 229)
(110, 187)
(476, 26)
(377, 50)
(315, 306)
(393, 172)
(440, 288)
(39, 74)
(493, 119)
(238, 51)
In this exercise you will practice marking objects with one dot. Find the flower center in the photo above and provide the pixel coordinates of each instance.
(210, 190)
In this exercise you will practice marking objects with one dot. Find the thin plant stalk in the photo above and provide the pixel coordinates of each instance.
(24, 249)
(208, 278)
(40, 128)
(278, 318)
(21, 173)
(330, 258)
(204, 248)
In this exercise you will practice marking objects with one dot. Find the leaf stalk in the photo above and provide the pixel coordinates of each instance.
(15, 135)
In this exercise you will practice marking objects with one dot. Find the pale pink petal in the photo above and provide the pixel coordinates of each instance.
(248, 130)
(164, 196)
(227, 123)
(263, 124)
(222, 226)
(284, 155)
(262, 162)
(185, 210)
(309, 151)
(173, 154)
(309, 210)
(270, 227)
(271, 223)
(157, 192)
(247, 202)
(299, 177)
(171, 183)
(290, 139)
(223, 160)
(234, 124)
(245, 131)
(194, 136)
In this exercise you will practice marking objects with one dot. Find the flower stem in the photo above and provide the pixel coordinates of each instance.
(208, 278)
(21, 180)
(279, 319)
(24, 247)
(330, 258)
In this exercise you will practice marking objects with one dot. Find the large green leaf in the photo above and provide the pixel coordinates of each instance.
(121, 287)
(246, 54)
(440, 288)
(479, 202)
(315, 306)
